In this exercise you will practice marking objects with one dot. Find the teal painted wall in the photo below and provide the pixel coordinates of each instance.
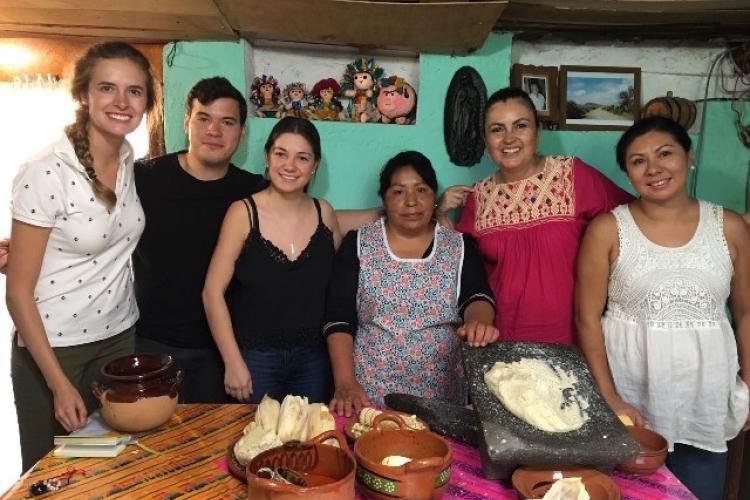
(353, 153)
(184, 64)
(723, 162)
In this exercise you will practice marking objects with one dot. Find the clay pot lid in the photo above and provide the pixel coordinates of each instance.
(534, 482)
(136, 367)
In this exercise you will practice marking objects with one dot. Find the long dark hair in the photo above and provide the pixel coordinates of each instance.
(414, 159)
(508, 93)
(651, 124)
(299, 126)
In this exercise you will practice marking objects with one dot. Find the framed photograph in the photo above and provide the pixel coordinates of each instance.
(540, 82)
(599, 97)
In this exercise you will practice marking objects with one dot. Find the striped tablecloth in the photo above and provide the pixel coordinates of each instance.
(187, 460)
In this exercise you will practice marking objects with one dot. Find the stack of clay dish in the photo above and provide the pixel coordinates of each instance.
(423, 478)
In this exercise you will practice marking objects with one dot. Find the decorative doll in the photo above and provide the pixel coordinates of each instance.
(323, 102)
(264, 93)
(294, 103)
(360, 83)
(396, 101)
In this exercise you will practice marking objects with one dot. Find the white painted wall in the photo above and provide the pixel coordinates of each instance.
(665, 66)
(310, 63)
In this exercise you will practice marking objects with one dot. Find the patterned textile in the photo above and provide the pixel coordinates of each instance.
(548, 194)
(408, 313)
(528, 234)
(670, 346)
(188, 461)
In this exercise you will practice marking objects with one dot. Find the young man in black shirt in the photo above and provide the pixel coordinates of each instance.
(185, 196)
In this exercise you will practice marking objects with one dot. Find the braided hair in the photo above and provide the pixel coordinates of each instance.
(77, 131)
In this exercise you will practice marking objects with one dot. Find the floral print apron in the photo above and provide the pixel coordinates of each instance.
(408, 314)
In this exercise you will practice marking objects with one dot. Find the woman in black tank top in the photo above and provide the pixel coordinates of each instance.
(276, 248)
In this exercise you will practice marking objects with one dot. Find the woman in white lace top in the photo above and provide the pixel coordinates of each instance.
(664, 352)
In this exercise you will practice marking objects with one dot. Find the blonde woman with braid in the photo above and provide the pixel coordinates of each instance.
(76, 220)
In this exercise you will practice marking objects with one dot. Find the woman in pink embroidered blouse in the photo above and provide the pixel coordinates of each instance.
(528, 219)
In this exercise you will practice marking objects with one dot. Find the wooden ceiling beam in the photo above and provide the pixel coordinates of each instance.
(426, 26)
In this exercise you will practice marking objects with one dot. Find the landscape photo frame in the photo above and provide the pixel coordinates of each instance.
(599, 97)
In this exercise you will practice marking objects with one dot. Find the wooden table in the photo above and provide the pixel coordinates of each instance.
(188, 461)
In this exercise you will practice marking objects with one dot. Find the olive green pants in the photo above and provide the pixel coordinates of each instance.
(34, 403)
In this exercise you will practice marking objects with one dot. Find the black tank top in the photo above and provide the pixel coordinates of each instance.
(276, 303)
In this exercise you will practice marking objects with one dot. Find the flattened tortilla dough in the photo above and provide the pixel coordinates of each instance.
(569, 488)
(532, 390)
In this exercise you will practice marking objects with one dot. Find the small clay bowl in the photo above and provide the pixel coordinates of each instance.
(534, 482)
(652, 455)
(329, 470)
(424, 478)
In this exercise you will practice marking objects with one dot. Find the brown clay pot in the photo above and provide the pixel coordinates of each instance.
(652, 455)
(137, 395)
(424, 478)
(329, 470)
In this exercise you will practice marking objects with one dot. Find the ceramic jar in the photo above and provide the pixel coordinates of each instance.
(423, 478)
(138, 394)
(329, 470)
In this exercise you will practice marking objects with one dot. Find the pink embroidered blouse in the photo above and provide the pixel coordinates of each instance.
(528, 234)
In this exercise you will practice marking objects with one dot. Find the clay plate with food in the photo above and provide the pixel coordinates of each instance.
(535, 482)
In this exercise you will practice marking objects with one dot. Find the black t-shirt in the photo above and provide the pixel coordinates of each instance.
(183, 220)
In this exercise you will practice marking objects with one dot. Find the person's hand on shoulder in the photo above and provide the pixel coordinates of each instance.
(478, 334)
(453, 197)
(349, 399)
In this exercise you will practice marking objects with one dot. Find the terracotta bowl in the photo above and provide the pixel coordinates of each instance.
(424, 478)
(652, 455)
(137, 393)
(329, 471)
(349, 425)
(534, 482)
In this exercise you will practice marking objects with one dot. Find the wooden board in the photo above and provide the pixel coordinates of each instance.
(421, 25)
(60, 54)
(628, 19)
(132, 20)
(457, 25)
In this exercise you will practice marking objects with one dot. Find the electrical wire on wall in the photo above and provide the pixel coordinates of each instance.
(738, 99)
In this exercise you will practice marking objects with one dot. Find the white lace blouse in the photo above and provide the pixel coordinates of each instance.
(670, 346)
